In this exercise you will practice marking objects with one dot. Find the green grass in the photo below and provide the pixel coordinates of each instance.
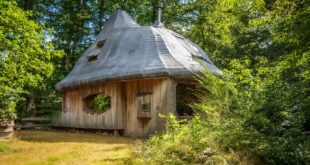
(4, 147)
(53, 148)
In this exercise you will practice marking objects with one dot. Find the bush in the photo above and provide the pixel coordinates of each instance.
(243, 119)
(7, 110)
(193, 143)
(100, 103)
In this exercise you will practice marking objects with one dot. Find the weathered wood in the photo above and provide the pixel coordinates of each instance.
(32, 126)
(36, 119)
(6, 131)
(116, 132)
(124, 106)
(74, 114)
(162, 103)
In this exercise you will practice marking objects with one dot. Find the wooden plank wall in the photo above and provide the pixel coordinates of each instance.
(123, 112)
(73, 114)
(163, 102)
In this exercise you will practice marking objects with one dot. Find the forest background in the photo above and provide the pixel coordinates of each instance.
(262, 110)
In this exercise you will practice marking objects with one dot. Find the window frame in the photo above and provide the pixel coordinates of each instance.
(140, 112)
(86, 101)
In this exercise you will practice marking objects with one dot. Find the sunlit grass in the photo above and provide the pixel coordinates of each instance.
(60, 148)
(4, 147)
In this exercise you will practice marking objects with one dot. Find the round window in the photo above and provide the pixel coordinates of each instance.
(97, 103)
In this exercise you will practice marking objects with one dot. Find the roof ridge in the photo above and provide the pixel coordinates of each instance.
(162, 55)
(120, 18)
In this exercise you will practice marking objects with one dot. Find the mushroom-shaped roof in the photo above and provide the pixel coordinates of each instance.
(126, 50)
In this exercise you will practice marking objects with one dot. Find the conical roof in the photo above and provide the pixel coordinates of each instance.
(120, 19)
(126, 50)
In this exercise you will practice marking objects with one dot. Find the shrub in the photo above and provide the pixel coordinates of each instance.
(7, 110)
(184, 144)
(100, 103)
(243, 119)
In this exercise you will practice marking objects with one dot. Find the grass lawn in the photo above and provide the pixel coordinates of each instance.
(62, 148)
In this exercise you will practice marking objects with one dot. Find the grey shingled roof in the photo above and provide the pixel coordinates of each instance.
(134, 51)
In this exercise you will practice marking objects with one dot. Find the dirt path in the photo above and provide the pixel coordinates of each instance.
(60, 148)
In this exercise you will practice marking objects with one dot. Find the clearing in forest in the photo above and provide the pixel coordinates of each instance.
(54, 148)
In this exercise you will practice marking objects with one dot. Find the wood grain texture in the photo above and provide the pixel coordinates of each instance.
(124, 109)
(74, 115)
(163, 102)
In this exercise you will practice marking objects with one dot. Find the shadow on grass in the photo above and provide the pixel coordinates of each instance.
(58, 136)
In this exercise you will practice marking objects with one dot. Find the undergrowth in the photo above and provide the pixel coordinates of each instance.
(237, 121)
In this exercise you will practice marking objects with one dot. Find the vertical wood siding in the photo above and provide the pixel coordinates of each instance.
(73, 114)
(123, 112)
(163, 102)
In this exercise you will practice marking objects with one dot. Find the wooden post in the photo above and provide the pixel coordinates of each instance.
(116, 133)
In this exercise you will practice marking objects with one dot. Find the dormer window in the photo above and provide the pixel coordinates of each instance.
(93, 55)
(100, 43)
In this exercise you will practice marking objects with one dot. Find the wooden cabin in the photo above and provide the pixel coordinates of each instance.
(134, 72)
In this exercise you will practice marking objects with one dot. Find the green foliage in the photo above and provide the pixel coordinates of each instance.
(261, 110)
(267, 116)
(193, 143)
(239, 120)
(24, 56)
(4, 147)
(100, 103)
(7, 110)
